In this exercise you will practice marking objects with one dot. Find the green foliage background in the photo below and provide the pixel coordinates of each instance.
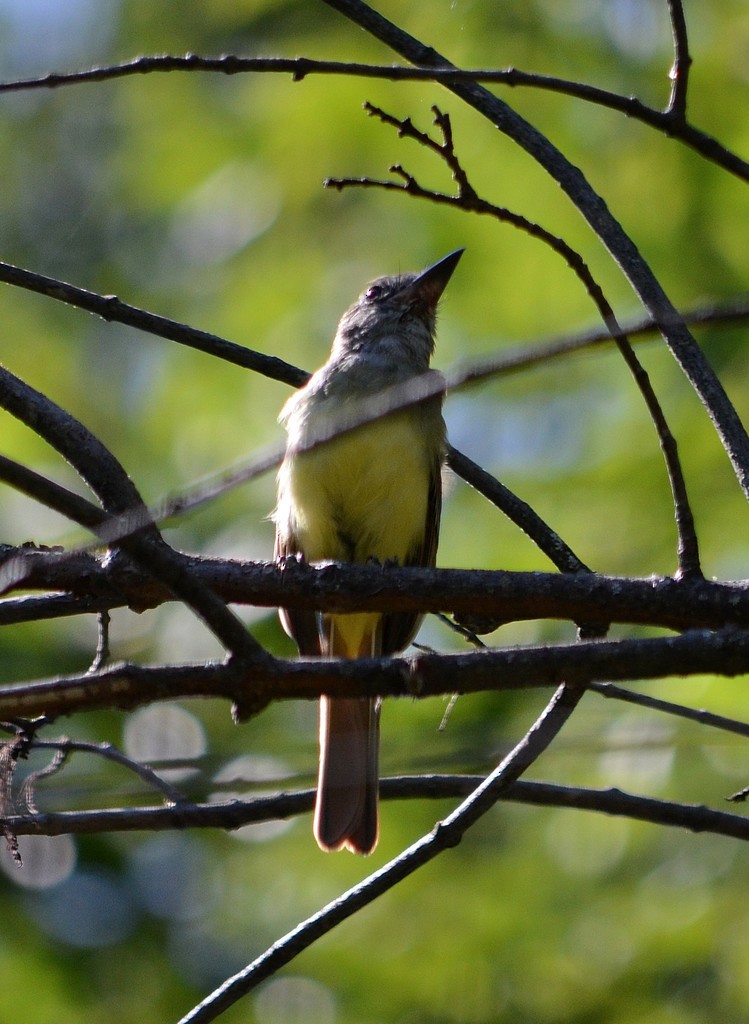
(199, 197)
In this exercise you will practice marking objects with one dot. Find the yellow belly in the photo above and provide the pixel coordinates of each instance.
(363, 495)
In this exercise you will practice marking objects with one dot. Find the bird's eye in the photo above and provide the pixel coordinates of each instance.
(374, 292)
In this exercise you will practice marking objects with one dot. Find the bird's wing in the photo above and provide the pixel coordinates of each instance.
(399, 628)
(300, 623)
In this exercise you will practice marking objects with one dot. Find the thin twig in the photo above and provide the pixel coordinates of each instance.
(51, 494)
(465, 631)
(112, 309)
(101, 656)
(699, 715)
(677, 104)
(28, 789)
(64, 747)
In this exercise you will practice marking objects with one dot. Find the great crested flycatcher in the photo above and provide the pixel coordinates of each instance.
(372, 493)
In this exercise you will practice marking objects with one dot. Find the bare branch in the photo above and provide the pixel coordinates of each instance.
(684, 348)
(508, 362)
(101, 656)
(507, 596)
(238, 813)
(677, 104)
(698, 715)
(118, 494)
(732, 311)
(51, 494)
(64, 747)
(725, 652)
(110, 308)
(445, 835)
(518, 511)
(300, 67)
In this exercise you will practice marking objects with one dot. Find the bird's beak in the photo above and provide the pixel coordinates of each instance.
(430, 283)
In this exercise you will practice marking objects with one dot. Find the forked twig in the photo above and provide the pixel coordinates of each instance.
(64, 747)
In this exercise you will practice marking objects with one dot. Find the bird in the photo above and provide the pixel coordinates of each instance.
(363, 493)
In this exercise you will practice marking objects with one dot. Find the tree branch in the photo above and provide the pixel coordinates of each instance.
(517, 510)
(340, 587)
(686, 351)
(512, 361)
(238, 813)
(698, 715)
(300, 67)
(112, 309)
(445, 835)
(469, 200)
(66, 746)
(106, 477)
(125, 686)
(677, 104)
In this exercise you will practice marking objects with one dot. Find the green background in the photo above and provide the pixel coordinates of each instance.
(200, 197)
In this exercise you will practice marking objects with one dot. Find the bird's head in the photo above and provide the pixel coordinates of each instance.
(396, 315)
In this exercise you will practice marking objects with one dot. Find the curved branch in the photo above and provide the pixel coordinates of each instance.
(106, 477)
(300, 67)
(468, 199)
(686, 351)
(66, 746)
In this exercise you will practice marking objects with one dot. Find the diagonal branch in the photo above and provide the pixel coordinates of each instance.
(106, 477)
(445, 835)
(699, 715)
(517, 510)
(110, 308)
